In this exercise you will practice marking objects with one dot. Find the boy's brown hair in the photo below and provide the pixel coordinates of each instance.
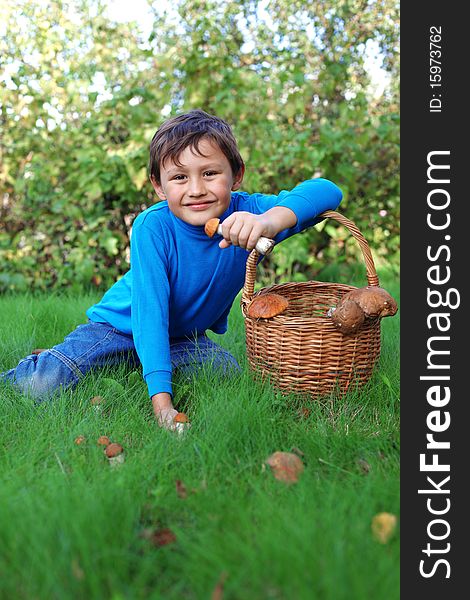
(189, 129)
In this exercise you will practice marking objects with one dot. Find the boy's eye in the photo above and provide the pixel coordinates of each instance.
(178, 177)
(210, 173)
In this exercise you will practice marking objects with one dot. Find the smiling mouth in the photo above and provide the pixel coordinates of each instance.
(199, 205)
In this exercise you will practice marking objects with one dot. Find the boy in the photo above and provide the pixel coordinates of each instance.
(181, 282)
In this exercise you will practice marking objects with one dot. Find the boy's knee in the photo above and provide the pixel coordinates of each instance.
(38, 386)
(226, 363)
(223, 363)
(41, 376)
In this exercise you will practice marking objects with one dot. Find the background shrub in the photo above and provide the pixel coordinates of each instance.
(83, 96)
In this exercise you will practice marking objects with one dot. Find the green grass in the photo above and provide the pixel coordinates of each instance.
(72, 527)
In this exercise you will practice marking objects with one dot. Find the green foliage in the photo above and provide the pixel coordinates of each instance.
(83, 96)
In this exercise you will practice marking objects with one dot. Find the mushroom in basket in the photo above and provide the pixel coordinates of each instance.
(348, 316)
(374, 301)
(267, 306)
(359, 304)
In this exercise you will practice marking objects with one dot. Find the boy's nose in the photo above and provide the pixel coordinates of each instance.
(197, 187)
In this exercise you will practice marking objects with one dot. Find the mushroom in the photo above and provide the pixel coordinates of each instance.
(181, 422)
(374, 301)
(371, 301)
(211, 227)
(181, 417)
(81, 439)
(383, 526)
(159, 536)
(114, 453)
(348, 316)
(103, 440)
(263, 245)
(97, 403)
(267, 306)
(286, 466)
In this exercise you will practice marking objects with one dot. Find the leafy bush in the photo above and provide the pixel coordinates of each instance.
(84, 95)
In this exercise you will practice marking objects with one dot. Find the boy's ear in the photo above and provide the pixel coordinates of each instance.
(237, 180)
(158, 188)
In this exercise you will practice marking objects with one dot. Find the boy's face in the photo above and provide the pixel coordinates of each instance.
(200, 189)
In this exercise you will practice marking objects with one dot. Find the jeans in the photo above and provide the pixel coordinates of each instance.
(97, 345)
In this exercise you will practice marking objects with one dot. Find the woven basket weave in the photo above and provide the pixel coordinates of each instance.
(301, 350)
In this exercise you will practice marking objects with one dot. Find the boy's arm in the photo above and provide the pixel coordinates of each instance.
(280, 216)
(150, 313)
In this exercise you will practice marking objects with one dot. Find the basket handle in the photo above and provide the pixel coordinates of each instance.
(372, 279)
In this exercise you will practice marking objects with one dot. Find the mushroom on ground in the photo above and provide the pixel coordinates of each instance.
(114, 453)
(348, 316)
(103, 440)
(97, 403)
(374, 301)
(181, 417)
(286, 466)
(267, 306)
(158, 537)
(181, 422)
(383, 526)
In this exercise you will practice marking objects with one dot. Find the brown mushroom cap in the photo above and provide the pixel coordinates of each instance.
(383, 526)
(348, 316)
(374, 301)
(267, 306)
(113, 450)
(103, 440)
(210, 227)
(285, 466)
(181, 417)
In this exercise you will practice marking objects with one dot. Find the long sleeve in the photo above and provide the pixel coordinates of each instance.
(150, 307)
(307, 200)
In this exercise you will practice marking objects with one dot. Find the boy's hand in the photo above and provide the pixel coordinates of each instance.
(244, 229)
(165, 418)
(164, 410)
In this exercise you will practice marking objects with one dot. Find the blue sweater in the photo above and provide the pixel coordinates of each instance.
(181, 283)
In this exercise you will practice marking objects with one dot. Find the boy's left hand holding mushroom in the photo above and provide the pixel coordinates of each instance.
(244, 229)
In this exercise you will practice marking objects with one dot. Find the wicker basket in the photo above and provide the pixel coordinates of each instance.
(301, 350)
